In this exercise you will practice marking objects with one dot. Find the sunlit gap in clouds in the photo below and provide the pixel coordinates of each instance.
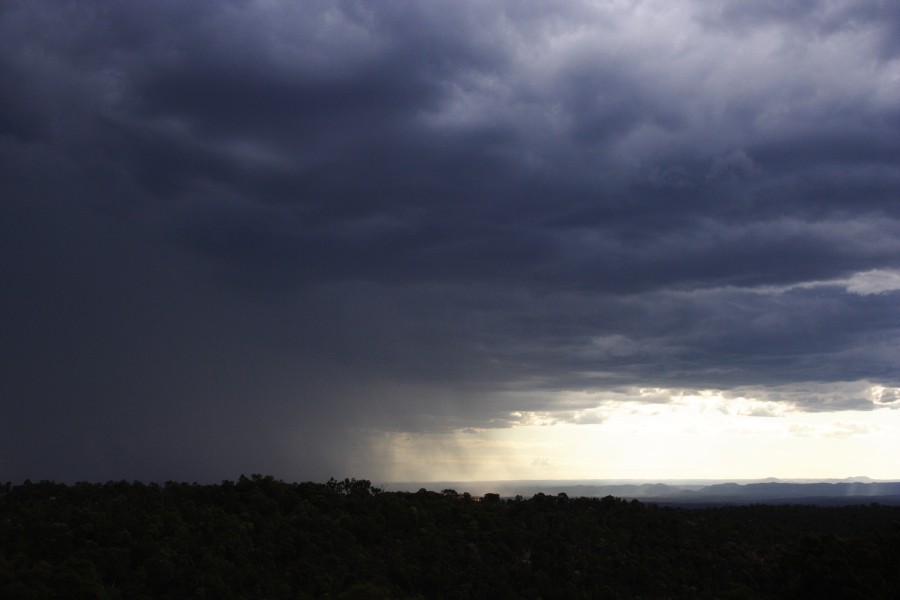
(662, 434)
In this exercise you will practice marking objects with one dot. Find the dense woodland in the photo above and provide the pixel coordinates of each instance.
(263, 538)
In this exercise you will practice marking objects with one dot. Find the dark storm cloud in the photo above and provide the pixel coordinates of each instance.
(235, 231)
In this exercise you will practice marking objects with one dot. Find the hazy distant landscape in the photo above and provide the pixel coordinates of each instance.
(852, 490)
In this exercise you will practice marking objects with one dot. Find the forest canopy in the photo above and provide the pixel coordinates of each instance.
(259, 537)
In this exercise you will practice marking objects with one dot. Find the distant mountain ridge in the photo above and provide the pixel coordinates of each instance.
(814, 489)
(852, 490)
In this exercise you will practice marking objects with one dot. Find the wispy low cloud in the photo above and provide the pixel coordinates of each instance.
(864, 283)
(836, 430)
(886, 396)
(826, 397)
(876, 281)
(845, 430)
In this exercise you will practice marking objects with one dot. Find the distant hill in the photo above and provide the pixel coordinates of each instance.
(853, 490)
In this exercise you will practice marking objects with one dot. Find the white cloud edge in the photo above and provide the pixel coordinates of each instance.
(861, 283)
(591, 408)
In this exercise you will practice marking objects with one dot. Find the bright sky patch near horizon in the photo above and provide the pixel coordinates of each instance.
(697, 437)
(449, 240)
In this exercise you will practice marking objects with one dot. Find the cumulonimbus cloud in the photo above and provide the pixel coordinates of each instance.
(405, 216)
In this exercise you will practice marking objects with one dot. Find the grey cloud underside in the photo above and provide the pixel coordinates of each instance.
(292, 218)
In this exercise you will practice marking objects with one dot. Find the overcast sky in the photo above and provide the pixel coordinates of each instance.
(449, 239)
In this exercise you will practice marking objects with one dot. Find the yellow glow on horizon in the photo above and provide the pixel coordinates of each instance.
(695, 436)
